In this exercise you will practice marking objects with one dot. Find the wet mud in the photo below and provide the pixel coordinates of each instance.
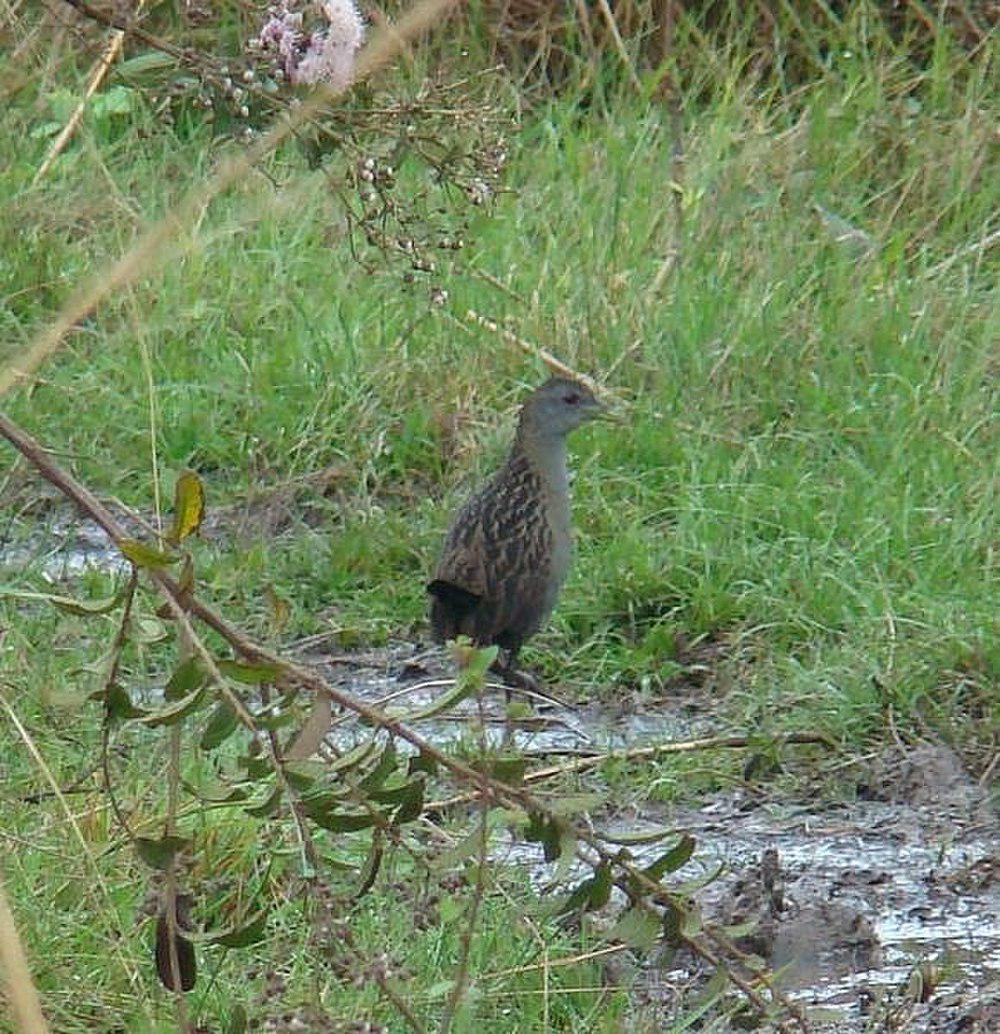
(881, 912)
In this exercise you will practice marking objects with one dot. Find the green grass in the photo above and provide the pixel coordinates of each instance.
(807, 476)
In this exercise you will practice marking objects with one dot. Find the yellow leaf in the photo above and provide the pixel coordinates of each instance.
(189, 506)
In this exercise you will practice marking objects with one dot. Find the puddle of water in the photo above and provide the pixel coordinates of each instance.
(555, 728)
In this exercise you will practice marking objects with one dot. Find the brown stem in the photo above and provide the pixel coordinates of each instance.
(491, 791)
(116, 653)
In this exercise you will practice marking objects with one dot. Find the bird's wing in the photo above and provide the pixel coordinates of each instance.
(463, 559)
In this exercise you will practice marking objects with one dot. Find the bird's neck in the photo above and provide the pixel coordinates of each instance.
(547, 456)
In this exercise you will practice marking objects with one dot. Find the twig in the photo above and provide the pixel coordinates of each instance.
(170, 891)
(399, 1002)
(109, 683)
(620, 44)
(590, 761)
(555, 365)
(97, 77)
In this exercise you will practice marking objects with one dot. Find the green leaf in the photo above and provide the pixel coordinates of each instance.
(267, 808)
(118, 704)
(591, 894)
(118, 100)
(457, 853)
(600, 891)
(221, 725)
(313, 731)
(673, 919)
(236, 1022)
(673, 859)
(85, 608)
(479, 664)
(303, 775)
(383, 769)
(462, 688)
(400, 791)
(189, 507)
(546, 831)
(249, 674)
(215, 793)
(412, 804)
(181, 709)
(422, 763)
(509, 769)
(256, 767)
(362, 752)
(159, 854)
(187, 677)
(627, 839)
(691, 924)
(252, 932)
(369, 871)
(142, 64)
(339, 821)
(147, 629)
(143, 555)
(638, 928)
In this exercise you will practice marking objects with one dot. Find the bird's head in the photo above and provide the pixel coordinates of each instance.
(558, 407)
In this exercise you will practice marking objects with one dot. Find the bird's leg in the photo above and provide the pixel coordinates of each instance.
(513, 677)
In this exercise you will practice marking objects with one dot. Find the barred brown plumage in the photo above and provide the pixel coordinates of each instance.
(507, 553)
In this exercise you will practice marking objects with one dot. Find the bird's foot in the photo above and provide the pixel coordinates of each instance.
(516, 680)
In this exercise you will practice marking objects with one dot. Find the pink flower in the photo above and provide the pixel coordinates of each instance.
(327, 56)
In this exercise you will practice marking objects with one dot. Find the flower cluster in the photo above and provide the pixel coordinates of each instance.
(324, 55)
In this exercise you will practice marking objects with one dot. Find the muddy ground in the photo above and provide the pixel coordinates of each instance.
(877, 913)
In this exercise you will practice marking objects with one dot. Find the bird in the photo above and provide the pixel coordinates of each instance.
(507, 553)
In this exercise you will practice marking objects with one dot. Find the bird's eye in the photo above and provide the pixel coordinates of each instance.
(571, 399)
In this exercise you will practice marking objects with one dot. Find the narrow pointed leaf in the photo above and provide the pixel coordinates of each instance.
(222, 723)
(313, 732)
(340, 822)
(189, 507)
(673, 859)
(463, 687)
(385, 767)
(369, 870)
(181, 709)
(638, 928)
(251, 932)
(509, 770)
(267, 808)
(143, 555)
(159, 853)
(88, 608)
(422, 763)
(118, 704)
(249, 674)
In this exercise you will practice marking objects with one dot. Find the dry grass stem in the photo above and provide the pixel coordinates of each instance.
(21, 994)
(557, 366)
(97, 77)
